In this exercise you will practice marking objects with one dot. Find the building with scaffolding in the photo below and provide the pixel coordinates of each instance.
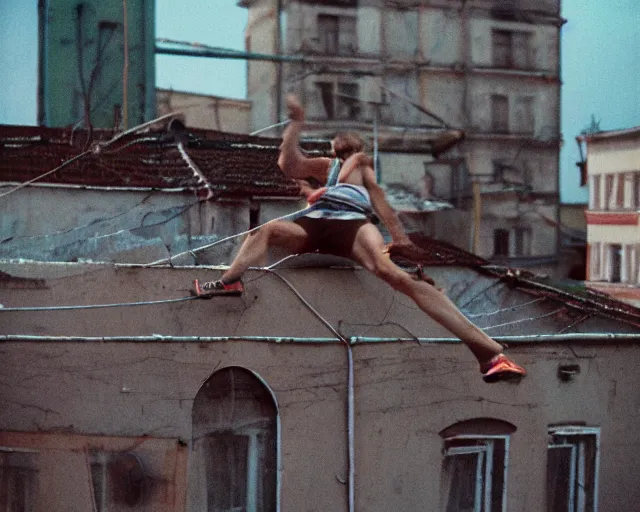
(411, 74)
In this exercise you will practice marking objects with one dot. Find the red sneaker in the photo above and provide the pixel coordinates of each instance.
(501, 368)
(210, 289)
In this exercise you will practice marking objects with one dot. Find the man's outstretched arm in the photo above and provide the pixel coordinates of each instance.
(292, 161)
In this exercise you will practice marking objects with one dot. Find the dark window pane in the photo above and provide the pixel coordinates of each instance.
(497, 476)
(499, 113)
(521, 50)
(348, 101)
(501, 43)
(227, 472)
(327, 97)
(558, 475)
(500, 242)
(328, 33)
(462, 470)
(616, 262)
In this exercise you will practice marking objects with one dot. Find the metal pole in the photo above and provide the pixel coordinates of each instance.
(125, 69)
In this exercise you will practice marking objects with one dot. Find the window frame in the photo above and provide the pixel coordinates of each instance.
(333, 100)
(500, 115)
(505, 52)
(482, 502)
(336, 34)
(19, 479)
(252, 465)
(262, 430)
(580, 467)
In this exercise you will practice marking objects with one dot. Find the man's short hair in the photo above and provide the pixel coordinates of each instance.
(346, 144)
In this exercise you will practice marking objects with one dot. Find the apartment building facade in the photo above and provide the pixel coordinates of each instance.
(410, 74)
(613, 217)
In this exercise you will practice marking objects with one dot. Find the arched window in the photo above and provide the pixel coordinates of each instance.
(234, 444)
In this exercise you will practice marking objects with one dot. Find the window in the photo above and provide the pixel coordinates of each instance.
(337, 34)
(511, 49)
(328, 34)
(18, 481)
(500, 242)
(594, 261)
(618, 184)
(499, 113)
(339, 101)
(254, 215)
(512, 242)
(474, 473)
(118, 479)
(594, 192)
(615, 262)
(522, 239)
(234, 444)
(572, 469)
(524, 117)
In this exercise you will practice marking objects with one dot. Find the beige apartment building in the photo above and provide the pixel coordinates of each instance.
(206, 112)
(613, 227)
(479, 78)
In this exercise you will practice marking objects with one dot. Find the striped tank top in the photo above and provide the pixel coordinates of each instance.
(341, 201)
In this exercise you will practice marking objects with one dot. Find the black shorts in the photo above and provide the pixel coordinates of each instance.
(330, 236)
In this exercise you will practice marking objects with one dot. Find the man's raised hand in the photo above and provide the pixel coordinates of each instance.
(294, 109)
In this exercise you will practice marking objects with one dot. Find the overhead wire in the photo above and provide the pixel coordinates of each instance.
(227, 238)
(510, 308)
(555, 312)
(94, 306)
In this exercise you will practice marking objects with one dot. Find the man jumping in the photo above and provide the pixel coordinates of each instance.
(339, 223)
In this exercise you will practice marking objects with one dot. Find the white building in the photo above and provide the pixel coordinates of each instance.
(613, 227)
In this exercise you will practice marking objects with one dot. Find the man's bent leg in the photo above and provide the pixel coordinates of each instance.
(368, 251)
(253, 251)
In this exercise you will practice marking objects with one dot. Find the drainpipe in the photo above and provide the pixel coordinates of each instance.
(125, 68)
(558, 137)
(466, 62)
(42, 59)
(278, 63)
(149, 45)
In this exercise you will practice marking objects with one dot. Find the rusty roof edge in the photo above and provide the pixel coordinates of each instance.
(610, 134)
(608, 307)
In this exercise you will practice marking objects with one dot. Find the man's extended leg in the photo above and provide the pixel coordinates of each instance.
(253, 251)
(368, 251)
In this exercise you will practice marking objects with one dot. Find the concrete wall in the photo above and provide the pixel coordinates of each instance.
(65, 224)
(613, 155)
(63, 399)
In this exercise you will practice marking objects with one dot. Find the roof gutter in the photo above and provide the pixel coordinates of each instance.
(353, 340)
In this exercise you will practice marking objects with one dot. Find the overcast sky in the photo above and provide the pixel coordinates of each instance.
(600, 64)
